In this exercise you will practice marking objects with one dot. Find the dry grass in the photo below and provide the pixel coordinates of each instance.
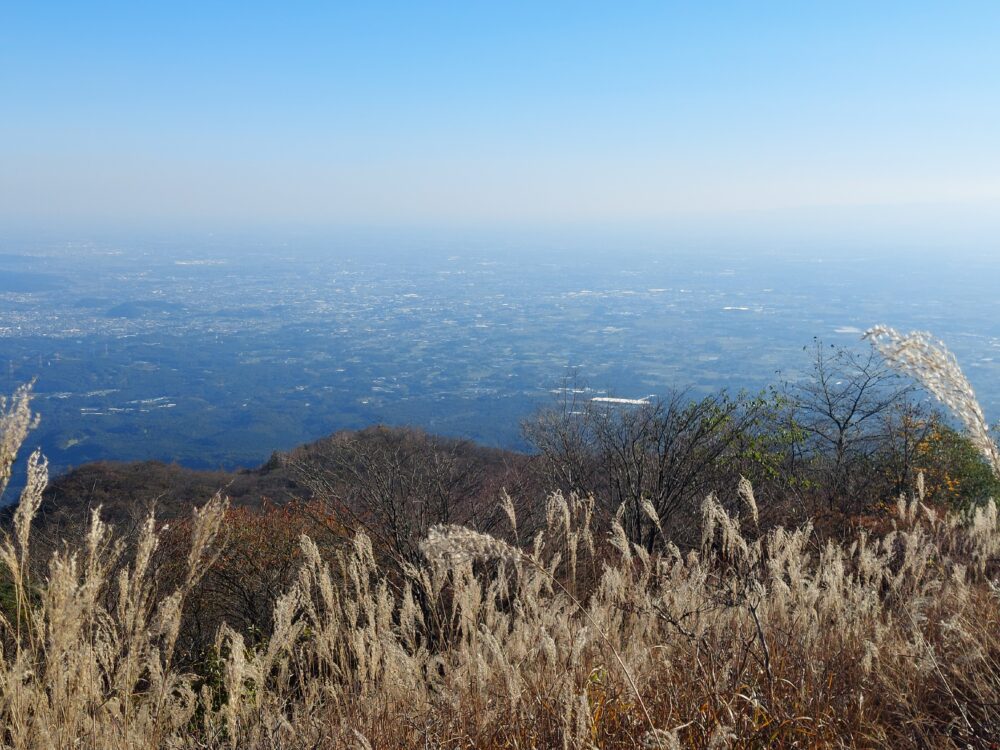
(562, 641)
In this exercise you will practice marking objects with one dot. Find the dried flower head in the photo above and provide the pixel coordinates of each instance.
(451, 543)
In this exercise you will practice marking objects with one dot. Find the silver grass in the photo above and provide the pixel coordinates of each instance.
(619, 540)
(650, 511)
(16, 421)
(660, 738)
(507, 505)
(930, 362)
(745, 492)
(451, 543)
(31, 499)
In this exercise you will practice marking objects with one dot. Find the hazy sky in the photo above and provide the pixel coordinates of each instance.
(502, 113)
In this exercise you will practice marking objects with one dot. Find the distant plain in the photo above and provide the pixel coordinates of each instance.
(214, 355)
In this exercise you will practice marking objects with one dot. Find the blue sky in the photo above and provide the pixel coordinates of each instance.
(327, 114)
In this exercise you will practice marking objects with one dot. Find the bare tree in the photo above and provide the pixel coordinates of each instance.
(663, 453)
(562, 434)
(845, 409)
(397, 483)
(906, 428)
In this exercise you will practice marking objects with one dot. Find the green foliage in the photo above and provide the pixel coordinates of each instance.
(771, 437)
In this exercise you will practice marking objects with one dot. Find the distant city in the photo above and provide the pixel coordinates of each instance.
(214, 356)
